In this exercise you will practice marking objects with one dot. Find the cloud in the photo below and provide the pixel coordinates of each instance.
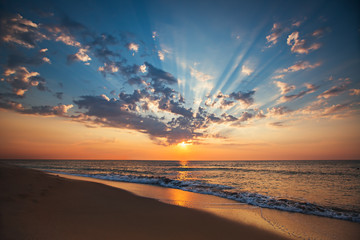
(59, 95)
(310, 89)
(281, 76)
(136, 81)
(277, 124)
(109, 68)
(284, 87)
(301, 45)
(20, 31)
(244, 97)
(246, 70)
(276, 32)
(333, 91)
(113, 113)
(11, 105)
(260, 114)
(200, 76)
(19, 59)
(354, 92)
(81, 55)
(302, 65)
(335, 109)
(159, 76)
(68, 40)
(133, 47)
(161, 55)
(59, 110)
(276, 111)
(21, 80)
(245, 117)
(154, 35)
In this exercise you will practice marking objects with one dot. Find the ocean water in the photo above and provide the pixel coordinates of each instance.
(322, 188)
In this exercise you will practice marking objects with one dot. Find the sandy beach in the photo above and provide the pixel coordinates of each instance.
(36, 205)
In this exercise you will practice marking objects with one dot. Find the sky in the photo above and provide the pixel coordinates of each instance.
(180, 80)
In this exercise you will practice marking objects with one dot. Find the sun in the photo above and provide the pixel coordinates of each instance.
(184, 144)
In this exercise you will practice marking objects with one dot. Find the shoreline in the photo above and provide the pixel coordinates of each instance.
(287, 224)
(37, 205)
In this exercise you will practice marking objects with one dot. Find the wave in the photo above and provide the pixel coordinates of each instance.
(224, 191)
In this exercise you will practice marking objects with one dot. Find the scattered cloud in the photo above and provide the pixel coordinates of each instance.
(21, 31)
(276, 32)
(81, 55)
(333, 91)
(284, 87)
(133, 47)
(310, 89)
(21, 80)
(161, 55)
(354, 92)
(276, 111)
(301, 46)
(200, 76)
(302, 65)
(246, 98)
(281, 76)
(335, 109)
(109, 68)
(246, 70)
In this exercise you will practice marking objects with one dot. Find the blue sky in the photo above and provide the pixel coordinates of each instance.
(183, 71)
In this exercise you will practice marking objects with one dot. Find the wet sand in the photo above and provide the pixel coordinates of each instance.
(36, 205)
(287, 224)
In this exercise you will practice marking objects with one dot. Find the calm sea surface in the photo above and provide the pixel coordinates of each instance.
(323, 188)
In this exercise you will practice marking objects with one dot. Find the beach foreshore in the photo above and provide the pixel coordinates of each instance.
(37, 205)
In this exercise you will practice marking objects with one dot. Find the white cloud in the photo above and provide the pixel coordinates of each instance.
(284, 87)
(161, 55)
(203, 77)
(246, 70)
(133, 47)
(105, 97)
(300, 66)
(281, 76)
(300, 45)
(276, 33)
(109, 68)
(81, 55)
(143, 68)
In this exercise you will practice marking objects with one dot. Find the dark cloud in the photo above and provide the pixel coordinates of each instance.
(333, 91)
(174, 107)
(21, 80)
(135, 81)
(19, 59)
(311, 89)
(59, 95)
(59, 110)
(228, 118)
(244, 97)
(20, 31)
(115, 113)
(159, 76)
(278, 110)
(335, 109)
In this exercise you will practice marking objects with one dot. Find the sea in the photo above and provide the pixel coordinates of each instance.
(323, 188)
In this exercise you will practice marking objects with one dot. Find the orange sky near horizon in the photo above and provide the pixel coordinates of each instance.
(38, 137)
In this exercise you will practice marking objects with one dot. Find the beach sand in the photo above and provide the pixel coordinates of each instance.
(36, 205)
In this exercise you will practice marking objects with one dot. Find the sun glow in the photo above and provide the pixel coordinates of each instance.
(184, 144)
